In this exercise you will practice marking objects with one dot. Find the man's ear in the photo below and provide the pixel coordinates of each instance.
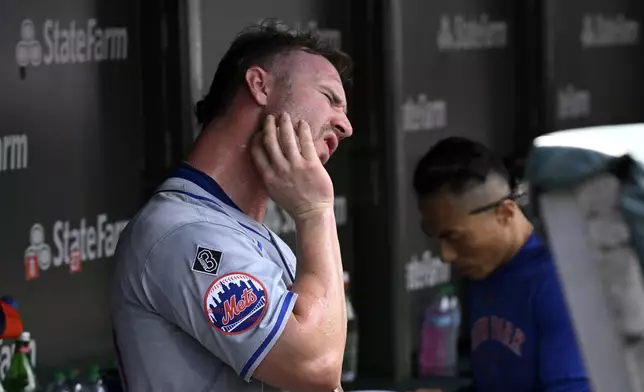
(505, 212)
(257, 83)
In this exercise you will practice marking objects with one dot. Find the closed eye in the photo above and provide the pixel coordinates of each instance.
(334, 99)
(329, 97)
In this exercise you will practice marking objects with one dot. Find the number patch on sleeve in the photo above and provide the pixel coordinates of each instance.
(207, 261)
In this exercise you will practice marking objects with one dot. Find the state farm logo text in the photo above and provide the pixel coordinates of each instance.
(600, 30)
(73, 244)
(14, 152)
(461, 32)
(573, 103)
(71, 43)
(421, 114)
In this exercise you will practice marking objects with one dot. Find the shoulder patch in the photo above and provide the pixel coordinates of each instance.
(207, 261)
(235, 303)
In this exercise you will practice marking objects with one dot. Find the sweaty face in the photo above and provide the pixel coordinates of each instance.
(474, 244)
(310, 89)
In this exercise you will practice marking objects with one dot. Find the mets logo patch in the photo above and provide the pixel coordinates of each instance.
(235, 302)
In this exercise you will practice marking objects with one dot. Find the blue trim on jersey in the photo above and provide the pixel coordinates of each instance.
(206, 182)
(278, 324)
(194, 196)
(202, 198)
(254, 231)
(279, 250)
(259, 244)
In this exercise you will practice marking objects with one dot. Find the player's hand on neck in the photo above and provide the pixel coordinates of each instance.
(290, 168)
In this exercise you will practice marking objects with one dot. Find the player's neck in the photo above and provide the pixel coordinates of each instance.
(222, 152)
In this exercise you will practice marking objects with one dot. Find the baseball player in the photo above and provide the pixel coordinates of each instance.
(206, 297)
(522, 336)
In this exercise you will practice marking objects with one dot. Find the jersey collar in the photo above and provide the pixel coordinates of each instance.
(205, 182)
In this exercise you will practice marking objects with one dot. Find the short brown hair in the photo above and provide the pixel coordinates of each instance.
(259, 45)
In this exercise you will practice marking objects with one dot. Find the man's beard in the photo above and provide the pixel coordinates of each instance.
(316, 134)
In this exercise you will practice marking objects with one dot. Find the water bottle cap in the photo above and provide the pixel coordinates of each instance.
(25, 336)
(444, 306)
(346, 277)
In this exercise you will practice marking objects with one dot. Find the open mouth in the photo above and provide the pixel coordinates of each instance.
(331, 143)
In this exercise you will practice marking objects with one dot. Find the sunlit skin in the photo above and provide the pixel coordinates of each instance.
(304, 85)
(253, 162)
(308, 87)
(475, 245)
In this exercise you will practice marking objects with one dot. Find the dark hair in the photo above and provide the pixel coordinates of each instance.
(457, 165)
(259, 45)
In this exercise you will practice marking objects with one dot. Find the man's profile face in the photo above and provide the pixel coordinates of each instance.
(474, 244)
(310, 89)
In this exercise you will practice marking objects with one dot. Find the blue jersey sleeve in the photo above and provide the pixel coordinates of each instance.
(561, 367)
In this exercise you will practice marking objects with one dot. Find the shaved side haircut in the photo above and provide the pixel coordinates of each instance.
(465, 170)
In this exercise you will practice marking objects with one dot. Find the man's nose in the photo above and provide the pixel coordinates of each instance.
(342, 126)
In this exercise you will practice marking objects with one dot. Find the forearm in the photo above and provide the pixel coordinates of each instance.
(320, 307)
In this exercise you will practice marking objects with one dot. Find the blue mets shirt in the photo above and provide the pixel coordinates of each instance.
(522, 335)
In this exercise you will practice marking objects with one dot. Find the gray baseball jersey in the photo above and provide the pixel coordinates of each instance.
(201, 291)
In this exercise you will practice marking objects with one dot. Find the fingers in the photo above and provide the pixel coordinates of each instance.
(275, 149)
(286, 138)
(271, 144)
(306, 140)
